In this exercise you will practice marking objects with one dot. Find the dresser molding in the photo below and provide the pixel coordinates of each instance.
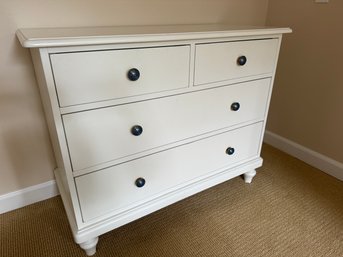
(96, 83)
(56, 37)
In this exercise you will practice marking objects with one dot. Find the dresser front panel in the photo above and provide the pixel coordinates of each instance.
(85, 77)
(216, 62)
(103, 135)
(114, 189)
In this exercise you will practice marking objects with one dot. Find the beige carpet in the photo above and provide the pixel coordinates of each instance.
(290, 209)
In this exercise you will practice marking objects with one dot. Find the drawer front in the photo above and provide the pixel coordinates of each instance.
(103, 135)
(114, 189)
(219, 61)
(93, 76)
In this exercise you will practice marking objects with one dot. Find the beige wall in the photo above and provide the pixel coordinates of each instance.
(307, 103)
(25, 152)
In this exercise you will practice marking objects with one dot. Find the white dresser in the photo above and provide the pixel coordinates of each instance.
(142, 117)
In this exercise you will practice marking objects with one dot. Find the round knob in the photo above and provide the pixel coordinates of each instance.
(230, 150)
(136, 130)
(140, 182)
(235, 106)
(241, 60)
(133, 74)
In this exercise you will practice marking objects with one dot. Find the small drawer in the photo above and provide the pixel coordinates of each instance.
(216, 62)
(84, 77)
(127, 185)
(107, 134)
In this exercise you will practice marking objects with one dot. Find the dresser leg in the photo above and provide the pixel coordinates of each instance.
(90, 246)
(248, 176)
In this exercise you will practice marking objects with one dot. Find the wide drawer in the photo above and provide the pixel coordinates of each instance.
(83, 77)
(216, 62)
(115, 189)
(104, 135)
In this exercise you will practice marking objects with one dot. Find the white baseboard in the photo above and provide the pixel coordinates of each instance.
(315, 159)
(26, 196)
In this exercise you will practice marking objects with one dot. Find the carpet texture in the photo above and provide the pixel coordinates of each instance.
(290, 209)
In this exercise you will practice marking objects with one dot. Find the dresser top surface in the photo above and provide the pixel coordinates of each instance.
(57, 37)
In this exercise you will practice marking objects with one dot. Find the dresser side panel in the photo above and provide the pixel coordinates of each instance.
(45, 81)
(271, 88)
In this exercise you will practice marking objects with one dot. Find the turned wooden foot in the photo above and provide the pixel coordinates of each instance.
(90, 246)
(248, 176)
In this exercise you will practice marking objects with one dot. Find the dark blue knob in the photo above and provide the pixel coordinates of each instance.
(230, 150)
(133, 74)
(235, 106)
(140, 182)
(136, 130)
(241, 60)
